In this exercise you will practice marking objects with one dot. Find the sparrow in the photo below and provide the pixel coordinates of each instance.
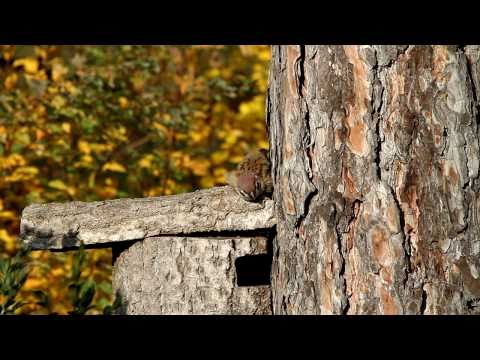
(252, 179)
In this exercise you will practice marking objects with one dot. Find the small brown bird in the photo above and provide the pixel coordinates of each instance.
(252, 179)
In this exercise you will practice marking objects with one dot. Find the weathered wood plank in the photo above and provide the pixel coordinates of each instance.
(64, 225)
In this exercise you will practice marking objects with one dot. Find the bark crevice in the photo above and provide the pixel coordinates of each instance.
(423, 305)
(301, 72)
(407, 246)
(376, 104)
(355, 212)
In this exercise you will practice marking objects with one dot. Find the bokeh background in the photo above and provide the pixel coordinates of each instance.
(92, 123)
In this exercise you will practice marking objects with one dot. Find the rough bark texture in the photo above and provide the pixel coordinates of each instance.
(375, 162)
(64, 225)
(193, 275)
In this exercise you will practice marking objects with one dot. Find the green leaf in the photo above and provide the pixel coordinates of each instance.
(78, 260)
(3, 266)
(86, 293)
(102, 303)
(17, 148)
(105, 286)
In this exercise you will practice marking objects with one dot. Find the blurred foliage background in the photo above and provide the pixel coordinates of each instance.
(91, 123)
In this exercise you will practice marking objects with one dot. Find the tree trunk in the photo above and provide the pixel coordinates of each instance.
(375, 162)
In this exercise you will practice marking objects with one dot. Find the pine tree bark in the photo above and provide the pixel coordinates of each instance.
(375, 162)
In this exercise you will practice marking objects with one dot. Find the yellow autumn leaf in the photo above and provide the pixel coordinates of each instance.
(99, 148)
(170, 187)
(146, 161)
(221, 134)
(123, 102)
(226, 73)
(39, 75)
(181, 136)
(52, 90)
(176, 154)
(160, 127)
(27, 170)
(12, 161)
(22, 174)
(58, 102)
(8, 54)
(57, 272)
(86, 161)
(138, 83)
(207, 182)
(247, 50)
(114, 167)
(263, 144)
(219, 157)
(62, 143)
(71, 191)
(219, 174)
(8, 240)
(213, 73)
(91, 180)
(106, 192)
(39, 134)
(199, 115)
(29, 64)
(1, 204)
(196, 136)
(40, 110)
(236, 159)
(35, 283)
(264, 54)
(8, 215)
(118, 133)
(232, 137)
(200, 167)
(10, 81)
(220, 108)
(57, 184)
(84, 147)
(42, 53)
(252, 108)
(67, 127)
(154, 191)
(71, 89)
(179, 159)
(58, 71)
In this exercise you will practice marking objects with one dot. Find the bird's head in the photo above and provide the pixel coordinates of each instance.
(249, 186)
